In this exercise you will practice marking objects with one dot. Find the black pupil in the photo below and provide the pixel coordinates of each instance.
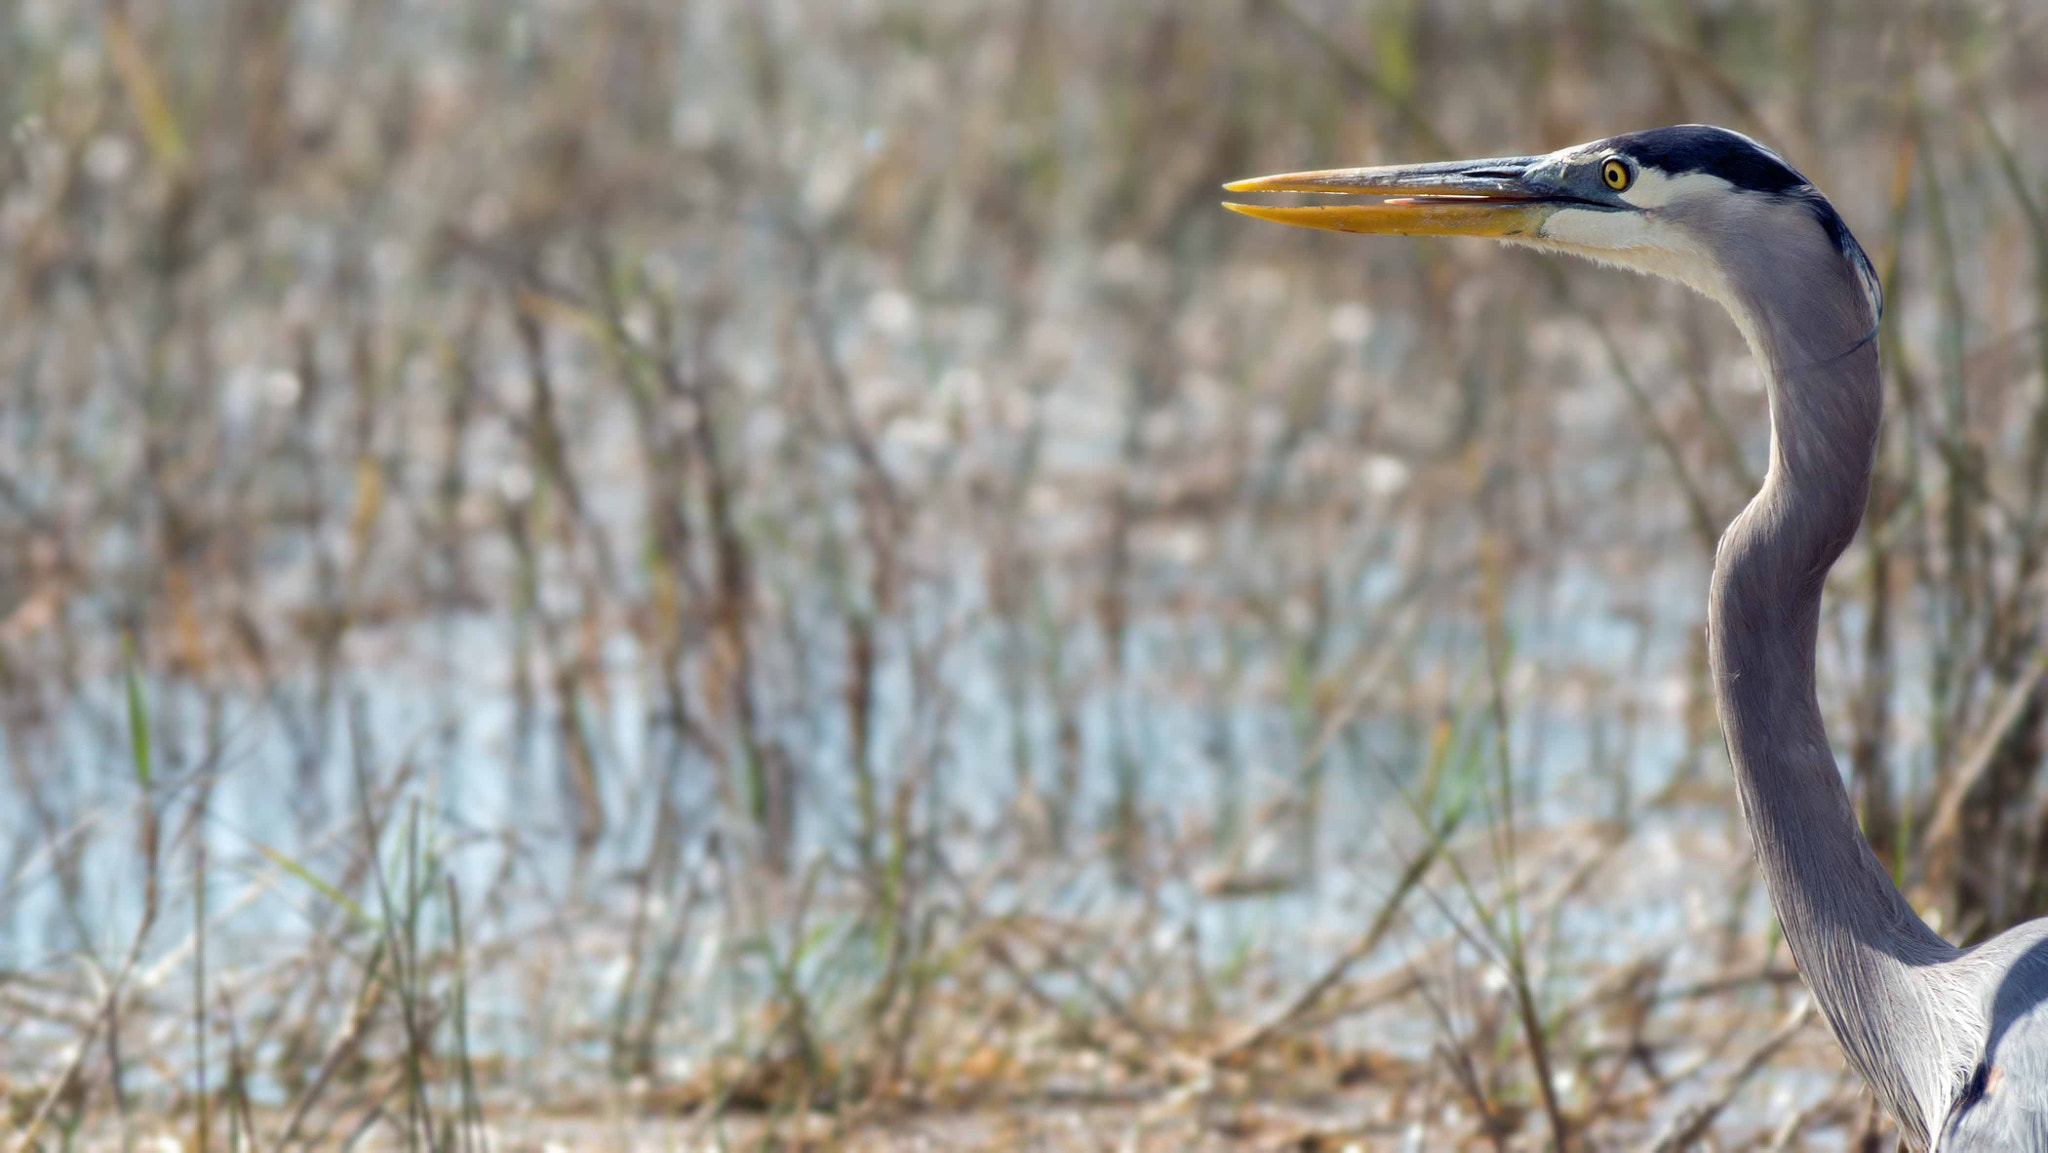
(1613, 173)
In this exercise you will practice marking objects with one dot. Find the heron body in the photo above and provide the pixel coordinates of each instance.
(1953, 1042)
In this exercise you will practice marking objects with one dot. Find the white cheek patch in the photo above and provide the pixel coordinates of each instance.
(1654, 189)
(1598, 228)
(1634, 241)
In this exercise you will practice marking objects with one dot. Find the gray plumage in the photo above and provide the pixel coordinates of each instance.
(1915, 1016)
(1953, 1042)
(2003, 1105)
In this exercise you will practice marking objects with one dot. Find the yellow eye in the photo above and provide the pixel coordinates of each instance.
(1615, 173)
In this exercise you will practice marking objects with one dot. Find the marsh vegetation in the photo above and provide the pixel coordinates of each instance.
(619, 572)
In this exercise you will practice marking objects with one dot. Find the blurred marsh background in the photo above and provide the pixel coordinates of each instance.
(612, 572)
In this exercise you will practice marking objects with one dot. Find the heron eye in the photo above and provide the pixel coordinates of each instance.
(1615, 173)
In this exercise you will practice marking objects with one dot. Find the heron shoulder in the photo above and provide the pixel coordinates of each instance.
(2003, 1103)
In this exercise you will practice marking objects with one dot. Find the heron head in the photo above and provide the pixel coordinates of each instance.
(1705, 206)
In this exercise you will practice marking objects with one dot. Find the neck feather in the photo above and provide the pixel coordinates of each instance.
(1868, 958)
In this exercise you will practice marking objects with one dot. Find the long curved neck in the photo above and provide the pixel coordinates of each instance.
(1860, 947)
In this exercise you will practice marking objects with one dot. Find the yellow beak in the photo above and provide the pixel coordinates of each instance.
(1459, 198)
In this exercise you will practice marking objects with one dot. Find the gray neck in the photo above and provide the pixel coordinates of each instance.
(1860, 947)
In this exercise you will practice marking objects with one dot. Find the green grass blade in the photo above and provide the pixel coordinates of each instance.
(138, 715)
(322, 887)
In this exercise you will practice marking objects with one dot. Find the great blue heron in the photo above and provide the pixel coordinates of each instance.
(1954, 1042)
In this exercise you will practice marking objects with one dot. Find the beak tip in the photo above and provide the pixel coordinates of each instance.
(1239, 186)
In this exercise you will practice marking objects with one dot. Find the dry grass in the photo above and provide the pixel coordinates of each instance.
(778, 575)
